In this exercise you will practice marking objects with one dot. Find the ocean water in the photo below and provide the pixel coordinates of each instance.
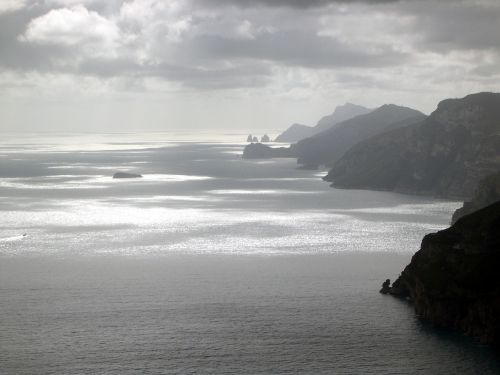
(209, 264)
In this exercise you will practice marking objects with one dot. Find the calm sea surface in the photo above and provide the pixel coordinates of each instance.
(209, 264)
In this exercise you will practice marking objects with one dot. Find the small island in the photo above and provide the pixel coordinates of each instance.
(126, 175)
(261, 151)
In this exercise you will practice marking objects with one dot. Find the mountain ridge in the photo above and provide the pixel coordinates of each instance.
(446, 155)
(297, 132)
(326, 147)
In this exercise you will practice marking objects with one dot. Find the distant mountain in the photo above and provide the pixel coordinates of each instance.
(341, 114)
(487, 192)
(326, 147)
(297, 132)
(445, 155)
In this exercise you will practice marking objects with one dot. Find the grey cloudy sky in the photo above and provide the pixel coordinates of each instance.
(235, 65)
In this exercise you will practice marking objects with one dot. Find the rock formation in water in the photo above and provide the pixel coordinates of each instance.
(445, 155)
(297, 132)
(326, 147)
(386, 287)
(260, 151)
(453, 280)
(126, 175)
(265, 138)
(487, 192)
(255, 139)
(249, 138)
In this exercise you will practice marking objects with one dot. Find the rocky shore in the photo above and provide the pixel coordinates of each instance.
(453, 280)
(261, 151)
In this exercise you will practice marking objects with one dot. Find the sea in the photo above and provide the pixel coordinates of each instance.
(208, 264)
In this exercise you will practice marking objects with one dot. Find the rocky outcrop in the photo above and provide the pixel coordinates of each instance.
(487, 192)
(126, 175)
(260, 151)
(453, 280)
(445, 155)
(326, 147)
(297, 132)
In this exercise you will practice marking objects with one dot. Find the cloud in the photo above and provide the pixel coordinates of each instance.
(72, 27)
(455, 25)
(11, 5)
(243, 43)
(301, 4)
(298, 49)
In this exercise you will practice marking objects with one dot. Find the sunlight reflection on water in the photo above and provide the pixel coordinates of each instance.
(110, 279)
(224, 205)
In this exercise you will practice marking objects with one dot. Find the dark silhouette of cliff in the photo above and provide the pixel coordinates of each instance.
(453, 281)
(445, 155)
(328, 146)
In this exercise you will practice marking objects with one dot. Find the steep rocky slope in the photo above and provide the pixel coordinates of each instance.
(342, 113)
(296, 132)
(326, 147)
(453, 280)
(445, 155)
(487, 192)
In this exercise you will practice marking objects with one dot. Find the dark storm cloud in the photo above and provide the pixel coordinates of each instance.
(296, 48)
(456, 25)
(211, 51)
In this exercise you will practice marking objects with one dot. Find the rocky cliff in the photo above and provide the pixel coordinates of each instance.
(326, 147)
(453, 280)
(297, 132)
(342, 113)
(445, 155)
(487, 192)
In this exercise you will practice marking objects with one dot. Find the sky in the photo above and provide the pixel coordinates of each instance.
(235, 65)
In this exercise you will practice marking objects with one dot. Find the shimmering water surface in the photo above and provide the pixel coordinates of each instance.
(208, 264)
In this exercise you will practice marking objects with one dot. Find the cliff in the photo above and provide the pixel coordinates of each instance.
(260, 151)
(297, 132)
(445, 155)
(487, 192)
(326, 147)
(453, 280)
(342, 113)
